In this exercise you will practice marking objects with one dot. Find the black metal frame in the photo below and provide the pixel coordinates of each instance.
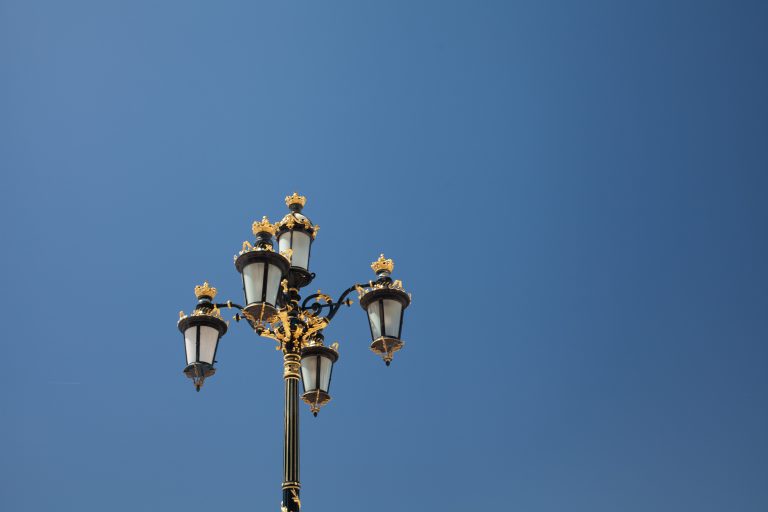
(198, 370)
(380, 295)
(333, 306)
(319, 352)
(268, 258)
(198, 321)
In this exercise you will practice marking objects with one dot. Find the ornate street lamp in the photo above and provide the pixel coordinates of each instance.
(274, 309)
(385, 301)
(202, 331)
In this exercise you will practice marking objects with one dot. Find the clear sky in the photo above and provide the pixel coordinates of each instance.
(574, 192)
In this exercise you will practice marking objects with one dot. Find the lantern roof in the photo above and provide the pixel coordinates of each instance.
(203, 316)
(205, 310)
(295, 219)
(385, 285)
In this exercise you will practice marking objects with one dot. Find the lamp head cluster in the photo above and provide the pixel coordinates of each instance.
(274, 268)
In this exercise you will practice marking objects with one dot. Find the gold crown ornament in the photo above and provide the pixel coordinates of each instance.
(295, 199)
(383, 265)
(264, 226)
(205, 290)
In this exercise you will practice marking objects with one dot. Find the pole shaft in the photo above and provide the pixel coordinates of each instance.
(291, 484)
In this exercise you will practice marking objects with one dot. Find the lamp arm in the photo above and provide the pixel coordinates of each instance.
(229, 304)
(333, 306)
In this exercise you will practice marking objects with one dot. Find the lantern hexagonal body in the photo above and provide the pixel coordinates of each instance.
(316, 369)
(262, 272)
(201, 333)
(385, 307)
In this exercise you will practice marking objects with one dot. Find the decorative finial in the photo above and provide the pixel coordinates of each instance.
(264, 226)
(383, 265)
(205, 290)
(295, 199)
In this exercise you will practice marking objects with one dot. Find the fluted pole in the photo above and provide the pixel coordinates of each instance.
(291, 485)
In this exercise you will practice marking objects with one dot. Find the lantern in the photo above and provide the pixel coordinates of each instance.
(201, 331)
(385, 303)
(316, 368)
(295, 234)
(262, 271)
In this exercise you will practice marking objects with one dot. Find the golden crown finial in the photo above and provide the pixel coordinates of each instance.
(382, 265)
(264, 226)
(205, 290)
(295, 199)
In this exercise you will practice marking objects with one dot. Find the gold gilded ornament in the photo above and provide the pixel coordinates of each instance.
(295, 497)
(295, 199)
(205, 290)
(263, 226)
(382, 264)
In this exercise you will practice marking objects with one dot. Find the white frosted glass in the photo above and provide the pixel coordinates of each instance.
(309, 372)
(208, 338)
(392, 311)
(374, 319)
(284, 241)
(253, 277)
(325, 373)
(300, 257)
(273, 283)
(190, 344)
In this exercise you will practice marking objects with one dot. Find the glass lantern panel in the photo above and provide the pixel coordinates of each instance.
(392, 311)
(209, 337)
(190, 344)
(309, 372)
(253, 278)
(300, 246)
(273, 283)
(325, 373)
(284, 241)
(374, 317)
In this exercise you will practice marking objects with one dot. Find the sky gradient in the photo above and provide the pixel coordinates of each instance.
(574, 192)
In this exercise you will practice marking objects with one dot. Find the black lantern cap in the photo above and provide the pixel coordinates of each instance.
(202, 319)
(385, 293)
(313, 350)
(261, 256)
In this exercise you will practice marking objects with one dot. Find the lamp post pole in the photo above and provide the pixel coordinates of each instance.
(271, 284)
(291, 482)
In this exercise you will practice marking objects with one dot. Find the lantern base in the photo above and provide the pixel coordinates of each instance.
(386, 348)
(259, 312)
(198, 372)
(315, 400)
(299, 277)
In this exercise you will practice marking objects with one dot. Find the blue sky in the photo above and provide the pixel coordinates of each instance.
(573, 192)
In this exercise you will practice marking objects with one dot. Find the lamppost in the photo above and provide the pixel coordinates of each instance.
(274, 309)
